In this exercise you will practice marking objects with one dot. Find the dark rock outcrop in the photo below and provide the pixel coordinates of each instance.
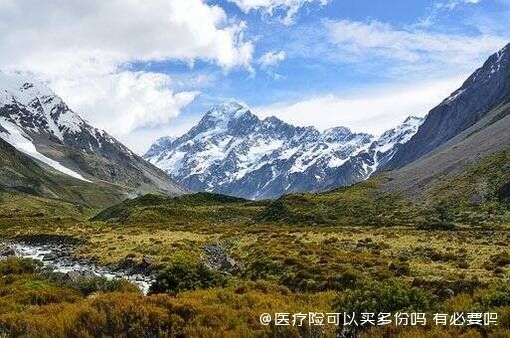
(217, 258)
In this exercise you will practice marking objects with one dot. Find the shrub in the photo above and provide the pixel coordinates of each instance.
(438, 217)
(94, 284)
(445, 289)
(377, 297)
(89, 284)
(264, 268)
(495, 296)
(181, 276)
(17, 266)
(499, 260)
(399, 268)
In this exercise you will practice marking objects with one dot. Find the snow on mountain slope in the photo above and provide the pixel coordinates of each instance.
(33, 107)
(38, 122)
(232, 151)
(385, 147)
(19, 140)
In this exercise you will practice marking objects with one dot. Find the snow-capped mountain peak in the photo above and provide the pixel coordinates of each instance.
(42, 106)
(37, 122)
(402, 133)
(227, 110)
(413, 121)
(385, 147)
(232, 151)
(32, 106)
(160, 145)
(492, 74)
(336, 134)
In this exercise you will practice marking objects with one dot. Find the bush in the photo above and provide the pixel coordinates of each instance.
(87, 285)
(264, 268)
(496, 296)
(18, 266)
(399, 268)
(438, 217)
(94, 284)
(499, 260)
(389, 296)
(346, 278)
(181, 276)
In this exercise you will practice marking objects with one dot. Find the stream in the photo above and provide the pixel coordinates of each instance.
(57, 258)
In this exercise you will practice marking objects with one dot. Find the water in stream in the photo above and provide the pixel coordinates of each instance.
(57, 262)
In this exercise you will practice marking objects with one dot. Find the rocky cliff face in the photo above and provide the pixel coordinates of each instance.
(486, 89)
(232, 151)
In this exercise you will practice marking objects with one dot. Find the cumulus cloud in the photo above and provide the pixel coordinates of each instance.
(271, 7)
(83, 49)
(118, 31)
(142, 138)
(372, 110)
(124, 101)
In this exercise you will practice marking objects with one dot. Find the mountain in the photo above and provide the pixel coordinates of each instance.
(231, 151)
(37, 187)
(38, 124)
(487, 88)
(467, 127)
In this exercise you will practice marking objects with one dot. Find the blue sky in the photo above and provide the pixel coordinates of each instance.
(150, 69)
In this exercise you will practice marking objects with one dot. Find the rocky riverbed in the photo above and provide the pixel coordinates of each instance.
(56, 254)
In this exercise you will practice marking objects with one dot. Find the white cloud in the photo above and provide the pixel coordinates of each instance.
(82, 49)
(271, 59)
(123, 101)
(269, 63)
(142, 138)
(371, 110)
(270, 7)
(440, 8)
(379, 39)
(409, 50)
(62, 33)
(452, 4)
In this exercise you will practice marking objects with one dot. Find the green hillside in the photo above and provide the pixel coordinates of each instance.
(19, 174)
(192, 208)
(360, 205)
(479, 195)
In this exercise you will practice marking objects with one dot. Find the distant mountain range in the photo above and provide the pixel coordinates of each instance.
(48, 150)
(232, 151)
(54, 140)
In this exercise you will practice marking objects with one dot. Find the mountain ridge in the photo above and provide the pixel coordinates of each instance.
(38, 123)
(473, 134)
(232, 151)
(484, 90)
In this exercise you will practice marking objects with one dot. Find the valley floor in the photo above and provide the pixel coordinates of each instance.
(221, 277)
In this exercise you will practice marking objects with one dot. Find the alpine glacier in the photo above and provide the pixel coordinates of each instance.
(232, 151)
